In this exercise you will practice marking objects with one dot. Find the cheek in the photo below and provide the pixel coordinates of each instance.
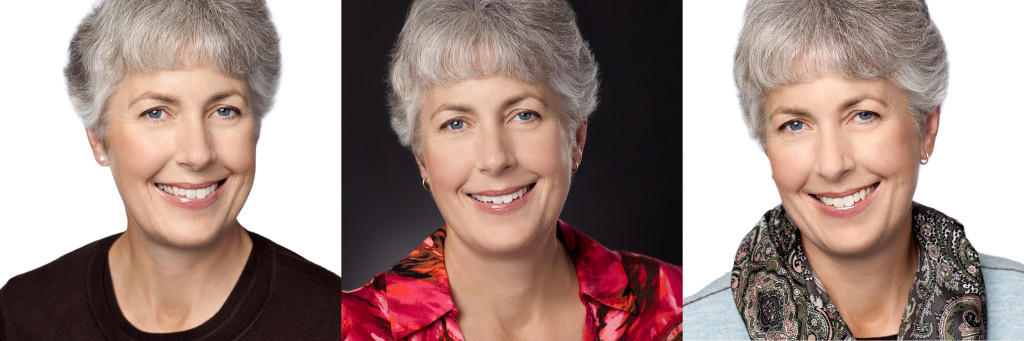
(546, 152)
(448, 163)
(791, 167)
(236, 149)
(137, 155)
(891, 153)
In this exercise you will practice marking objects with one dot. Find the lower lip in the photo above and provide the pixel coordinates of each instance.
(849, 211)
(192, 204)
(504, 209)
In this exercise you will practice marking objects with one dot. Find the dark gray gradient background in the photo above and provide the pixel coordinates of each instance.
(627, 194)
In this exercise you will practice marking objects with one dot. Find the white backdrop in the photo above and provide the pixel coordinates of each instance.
(974, 174)
(55, 197)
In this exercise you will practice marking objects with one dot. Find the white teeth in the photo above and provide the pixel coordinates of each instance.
(188, 193)
(848, 200)
(501, 199)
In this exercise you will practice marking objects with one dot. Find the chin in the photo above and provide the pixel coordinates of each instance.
(852, 242)
(187, 235)
(507, 239)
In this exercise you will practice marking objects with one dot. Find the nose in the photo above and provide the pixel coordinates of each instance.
(834, 159)
(194, 145)
(497, 153)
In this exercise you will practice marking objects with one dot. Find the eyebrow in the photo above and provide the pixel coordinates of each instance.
(459, 107)
(856, 100)
(156, 96)
(844, 106)
(175, 100)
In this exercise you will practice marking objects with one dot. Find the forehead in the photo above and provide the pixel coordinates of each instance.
(489, 92)
(831, 92)
(191, 82)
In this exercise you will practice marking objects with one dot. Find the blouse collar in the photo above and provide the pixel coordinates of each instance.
(418, 292)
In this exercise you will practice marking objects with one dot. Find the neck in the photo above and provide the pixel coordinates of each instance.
(513, 296)
(162, 288)
(870, 291)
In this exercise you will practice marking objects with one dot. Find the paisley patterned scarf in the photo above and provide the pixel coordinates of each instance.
(779, 297)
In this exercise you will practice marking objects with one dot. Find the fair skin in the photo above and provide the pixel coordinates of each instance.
(484, 142)
(845, 157)
(181, 146)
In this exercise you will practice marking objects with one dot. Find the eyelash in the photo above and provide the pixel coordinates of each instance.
(146, 113)
(447, 124)
(534, 115)
(234, 110)
(874, 116)
(786, 125)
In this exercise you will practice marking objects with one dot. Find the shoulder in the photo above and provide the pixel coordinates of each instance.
(303, 295)
(653, 279)
(362, 312)
(54, 279)
(55, 293)
(711, 313)
(659, 287)
(294, 271)
(1004, 296)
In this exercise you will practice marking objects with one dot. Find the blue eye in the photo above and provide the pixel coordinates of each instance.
(225, 112)
(455, 124)
(793, 125)
(526, 116)
(154, 113)
(866, 115)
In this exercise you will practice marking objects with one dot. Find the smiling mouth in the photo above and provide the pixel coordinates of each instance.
(191, 193)
(502, 199)
(848, 200)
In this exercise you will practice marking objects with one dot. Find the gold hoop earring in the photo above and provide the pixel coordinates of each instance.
(575, 166)
(426, 185)
(924, 161)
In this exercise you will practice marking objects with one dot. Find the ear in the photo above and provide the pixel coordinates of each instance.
(581, 140)
(931, 130)
(96, 144)
(423, 169)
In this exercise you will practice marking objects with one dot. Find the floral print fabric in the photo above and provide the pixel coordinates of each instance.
(779, 297)
(626, 296)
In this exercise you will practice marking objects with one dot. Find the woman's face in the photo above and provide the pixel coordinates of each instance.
(497, 161)
(181, 146)
(844, 156)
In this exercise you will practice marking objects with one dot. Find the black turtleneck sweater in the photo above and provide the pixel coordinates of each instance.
(279, 296)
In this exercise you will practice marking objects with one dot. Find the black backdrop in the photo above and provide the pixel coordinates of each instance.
(627, 194)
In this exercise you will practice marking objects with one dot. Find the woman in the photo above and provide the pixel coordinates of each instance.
(625, 161)
(172, 95)
(844, 98)
(496, 118)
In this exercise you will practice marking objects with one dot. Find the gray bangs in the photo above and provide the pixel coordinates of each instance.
(787, 42)
(121, 38)
(444, 42)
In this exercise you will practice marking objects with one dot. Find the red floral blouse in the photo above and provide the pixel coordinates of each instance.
(627, 296)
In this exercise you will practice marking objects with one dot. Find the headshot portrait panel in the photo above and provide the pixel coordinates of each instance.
(229, 147)
(65, 199)
(626, 193)
(731, 178)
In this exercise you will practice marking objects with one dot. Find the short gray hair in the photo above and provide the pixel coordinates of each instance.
(788, 41)
(446, 41)
(124, 37)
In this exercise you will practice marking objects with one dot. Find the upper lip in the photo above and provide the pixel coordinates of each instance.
(190, 185)
(500, 192)
(844, 193)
